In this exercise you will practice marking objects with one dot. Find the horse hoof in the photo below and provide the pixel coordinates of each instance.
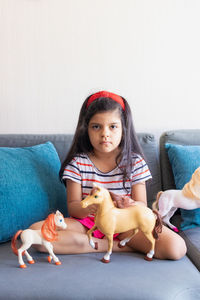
(105, 260)
(148, 258)
(31, 262)
(49, 259)
(120, 246)
(22, 266)
(58, 263)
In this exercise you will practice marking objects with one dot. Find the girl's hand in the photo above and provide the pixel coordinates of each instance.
(124, 202)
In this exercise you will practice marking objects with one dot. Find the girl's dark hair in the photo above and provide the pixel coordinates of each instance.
(81, 142)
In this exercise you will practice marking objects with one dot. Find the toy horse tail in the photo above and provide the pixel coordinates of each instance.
(155, 203)
(158, 225)
(13, 242)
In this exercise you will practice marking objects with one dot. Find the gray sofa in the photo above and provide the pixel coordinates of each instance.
(128, 275)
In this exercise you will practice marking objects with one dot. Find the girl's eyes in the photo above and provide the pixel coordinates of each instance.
(113, 126)
(97, 127)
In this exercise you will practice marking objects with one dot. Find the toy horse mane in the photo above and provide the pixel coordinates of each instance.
(94, 190)
(48, 229)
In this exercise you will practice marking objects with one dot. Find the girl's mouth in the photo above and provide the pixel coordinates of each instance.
(105, 143)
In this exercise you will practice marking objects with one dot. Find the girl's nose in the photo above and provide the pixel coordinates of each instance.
(105, 132)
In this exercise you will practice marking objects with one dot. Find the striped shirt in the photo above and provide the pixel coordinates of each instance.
(82, 170)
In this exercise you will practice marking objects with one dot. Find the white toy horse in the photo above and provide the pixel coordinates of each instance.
(44, 237)
(169, 201)
(110, 219)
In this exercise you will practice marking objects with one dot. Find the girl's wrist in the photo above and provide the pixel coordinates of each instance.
(77, 211)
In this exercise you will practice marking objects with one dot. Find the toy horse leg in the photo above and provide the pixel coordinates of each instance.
(106, 258)
(29, 258)
(168, 217)
(165, 205)
(49, 258)
(123, 242)
(20, 259)
(49, 248)
(23, 248)
(89, 234)
(150, 254)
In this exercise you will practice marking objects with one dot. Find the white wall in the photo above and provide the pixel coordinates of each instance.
(54, 53)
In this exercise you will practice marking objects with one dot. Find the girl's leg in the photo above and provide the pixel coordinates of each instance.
(74, 240)
(169, 245)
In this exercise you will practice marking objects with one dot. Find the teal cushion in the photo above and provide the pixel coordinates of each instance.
(184, 161)
(29, 187)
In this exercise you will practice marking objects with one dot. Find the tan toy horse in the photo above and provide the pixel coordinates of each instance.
(110, 220)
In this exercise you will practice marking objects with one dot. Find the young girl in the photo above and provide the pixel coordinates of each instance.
(105, 150)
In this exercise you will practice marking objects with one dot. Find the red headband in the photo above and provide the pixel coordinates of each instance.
(105, 94)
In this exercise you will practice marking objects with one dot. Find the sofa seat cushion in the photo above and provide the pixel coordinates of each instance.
(83, 276)
(192, 239)
(29, 187)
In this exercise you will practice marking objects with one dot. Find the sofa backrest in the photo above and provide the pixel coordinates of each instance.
(149, 145)
(179, 137)
(62, 144)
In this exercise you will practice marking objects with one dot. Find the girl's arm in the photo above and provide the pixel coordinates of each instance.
(139, 193)
(74, 197)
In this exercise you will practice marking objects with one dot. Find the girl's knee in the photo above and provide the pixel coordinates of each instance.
(173, 248)
(178, 249)
(170, 245)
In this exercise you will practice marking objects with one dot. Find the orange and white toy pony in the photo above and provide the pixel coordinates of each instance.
(110, 220)
(44, 237)
(169, 201)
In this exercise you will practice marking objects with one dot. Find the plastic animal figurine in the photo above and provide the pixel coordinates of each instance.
(169, 201)
(110, 220)
(45, 236)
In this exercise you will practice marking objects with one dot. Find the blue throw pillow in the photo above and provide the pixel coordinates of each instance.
(184, 161)
(30, 188)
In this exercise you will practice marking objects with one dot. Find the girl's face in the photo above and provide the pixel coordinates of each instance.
(105, 131)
